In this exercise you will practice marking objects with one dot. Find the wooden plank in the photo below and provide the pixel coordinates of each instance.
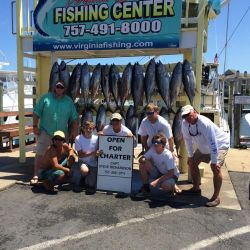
(9, 126)
(12, 132)
(8, 113)
(15, 113)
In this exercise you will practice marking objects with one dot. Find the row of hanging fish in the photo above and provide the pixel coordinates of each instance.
(133, 82)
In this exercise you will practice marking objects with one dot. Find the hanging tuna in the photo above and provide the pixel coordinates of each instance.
(176, 128)
(137, 86)
(150, 81)
(84, 83)
(54, 77)
(131, 119)
(105, 84)
(163, 83)
(189, 80)
(64, 75)
(114, 81)
(95, 82)
(74, 82)
(100, 118)
(175, 83)
(87, 115)
(125, 84)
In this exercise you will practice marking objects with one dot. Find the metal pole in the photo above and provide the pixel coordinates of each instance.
(1, 100)
(237, 113)
(225, 58)
(230, 109)
(245, 83)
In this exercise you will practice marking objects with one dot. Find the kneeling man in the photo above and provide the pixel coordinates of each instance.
(158, 163)
(57, 161)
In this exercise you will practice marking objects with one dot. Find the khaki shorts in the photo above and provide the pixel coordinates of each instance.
(43, 142)
(199, 157)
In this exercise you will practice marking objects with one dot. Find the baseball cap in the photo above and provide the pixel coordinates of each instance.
(59, 133)
(60, 84)
(116, 116)
(186, 110)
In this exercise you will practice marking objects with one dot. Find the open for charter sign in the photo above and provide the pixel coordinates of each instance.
(115, 164)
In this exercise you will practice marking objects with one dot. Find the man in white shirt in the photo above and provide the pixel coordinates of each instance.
(158, 164)
(212, 145)
(116, 127)
(152, 125)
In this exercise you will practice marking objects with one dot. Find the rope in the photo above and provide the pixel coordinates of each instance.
(234, 31)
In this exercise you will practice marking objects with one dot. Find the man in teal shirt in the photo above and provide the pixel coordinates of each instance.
(54, 111)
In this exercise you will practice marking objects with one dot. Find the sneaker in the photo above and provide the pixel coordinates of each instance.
(213, 203)
(34, 181)
(90, 191)
(191, 191)
(142, 194)
(51, 191)
(65, 187)
(77, 188)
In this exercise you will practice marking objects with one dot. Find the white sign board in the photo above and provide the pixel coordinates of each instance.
(241, 99)
(115, 164)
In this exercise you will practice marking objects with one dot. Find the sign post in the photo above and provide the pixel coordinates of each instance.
(115, 164)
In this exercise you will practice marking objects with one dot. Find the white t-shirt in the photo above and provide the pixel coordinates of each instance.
(163, 162)
(87, 145)
(161, 126)
(108, 130)
(208, 137)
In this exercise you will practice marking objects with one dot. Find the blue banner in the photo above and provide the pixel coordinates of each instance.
(106, 24)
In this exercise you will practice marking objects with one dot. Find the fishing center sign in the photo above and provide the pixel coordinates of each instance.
(106, 24)
(115, 164)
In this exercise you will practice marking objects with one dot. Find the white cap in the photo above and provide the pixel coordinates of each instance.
(59, 84)
(186, 110)
(59, 133)
(116, 116)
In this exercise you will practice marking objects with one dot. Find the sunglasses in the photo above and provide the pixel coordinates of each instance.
(157, 142)
(58, 139)
(59, 87)
(193, 134)
(88, 128)
(185, 116)
(116, 120)
(150, 113)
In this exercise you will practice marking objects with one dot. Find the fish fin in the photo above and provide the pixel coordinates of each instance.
(170, 110)
(108, 108)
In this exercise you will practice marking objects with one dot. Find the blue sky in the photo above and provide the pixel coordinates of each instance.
(238, 50)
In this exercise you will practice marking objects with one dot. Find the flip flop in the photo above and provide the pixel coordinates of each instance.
(178, 191)
(34, 181)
